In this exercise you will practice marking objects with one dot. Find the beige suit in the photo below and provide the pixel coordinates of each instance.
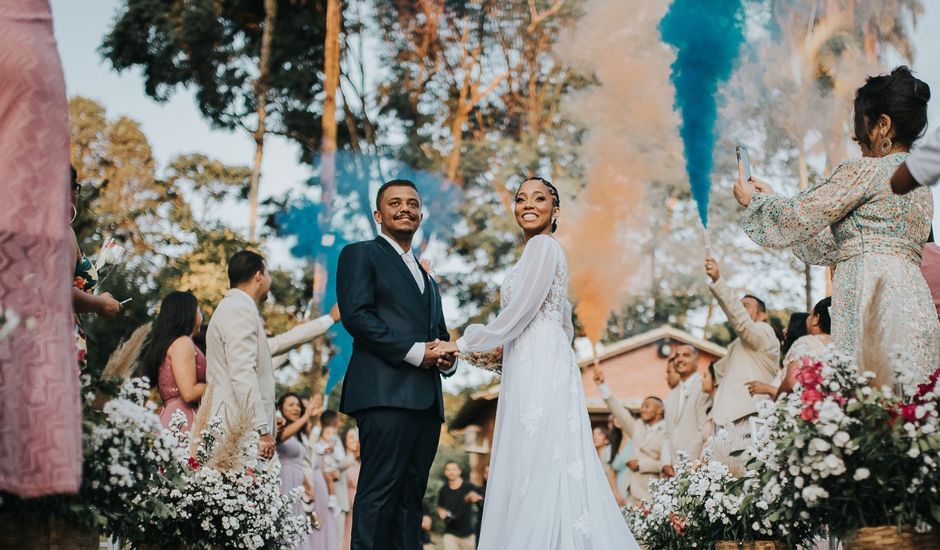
(647, 447)
(753, 355)
(239, 370)
(685, 419)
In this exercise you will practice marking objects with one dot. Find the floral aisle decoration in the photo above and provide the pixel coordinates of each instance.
(698, 507)
(126, 452)
(225, 497)
(838, 454)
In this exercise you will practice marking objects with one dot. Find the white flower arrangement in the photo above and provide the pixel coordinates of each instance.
(224, 496)
(836, 436)
(697, 507)
(125, 453)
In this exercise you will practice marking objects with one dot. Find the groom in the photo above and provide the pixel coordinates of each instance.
(392, 309)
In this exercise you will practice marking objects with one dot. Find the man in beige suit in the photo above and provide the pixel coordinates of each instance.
(753, 355)
(240, 372)
(647, 435)
(686, 411)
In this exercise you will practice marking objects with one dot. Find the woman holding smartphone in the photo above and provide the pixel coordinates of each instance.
(854, 222)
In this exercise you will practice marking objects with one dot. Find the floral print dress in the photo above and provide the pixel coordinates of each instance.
(86, 279)
(853, 221)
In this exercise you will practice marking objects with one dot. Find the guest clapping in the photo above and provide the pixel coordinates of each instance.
(292, 452)
(171, 359)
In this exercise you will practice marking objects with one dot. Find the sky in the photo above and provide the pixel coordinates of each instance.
(176, 127)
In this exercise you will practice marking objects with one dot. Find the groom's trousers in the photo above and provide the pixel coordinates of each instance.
(397, 447)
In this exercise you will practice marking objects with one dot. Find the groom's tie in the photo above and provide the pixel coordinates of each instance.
(412, 264)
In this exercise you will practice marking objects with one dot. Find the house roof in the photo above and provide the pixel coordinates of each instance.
(663, 332)
(468, 414)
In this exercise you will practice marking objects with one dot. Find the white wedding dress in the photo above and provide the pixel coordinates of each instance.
(547, 488)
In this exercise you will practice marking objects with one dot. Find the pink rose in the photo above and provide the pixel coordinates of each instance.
(812, 396)
(809, 414)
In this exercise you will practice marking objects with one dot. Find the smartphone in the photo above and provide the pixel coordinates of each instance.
(744, 159)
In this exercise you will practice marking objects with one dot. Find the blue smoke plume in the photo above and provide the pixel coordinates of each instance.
(707, 35)
(320, 239)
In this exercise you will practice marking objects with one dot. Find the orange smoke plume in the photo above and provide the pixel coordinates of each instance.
(632, 141)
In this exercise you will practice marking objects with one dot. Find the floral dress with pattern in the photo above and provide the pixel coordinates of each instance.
(86, 280)
(854, 222)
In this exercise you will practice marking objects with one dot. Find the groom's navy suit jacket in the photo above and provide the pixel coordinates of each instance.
(386, 314)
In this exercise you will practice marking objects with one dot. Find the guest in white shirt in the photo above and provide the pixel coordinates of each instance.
(922, 167)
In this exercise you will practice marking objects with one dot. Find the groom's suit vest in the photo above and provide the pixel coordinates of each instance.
(386, 314)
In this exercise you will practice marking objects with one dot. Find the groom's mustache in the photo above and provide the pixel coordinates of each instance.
(405, 216)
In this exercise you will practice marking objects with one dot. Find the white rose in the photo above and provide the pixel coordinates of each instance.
(861, 474)
(840, 439)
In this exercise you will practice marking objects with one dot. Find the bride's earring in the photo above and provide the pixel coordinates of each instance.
(74, 214)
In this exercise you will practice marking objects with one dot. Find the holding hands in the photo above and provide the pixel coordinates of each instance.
(439, 354)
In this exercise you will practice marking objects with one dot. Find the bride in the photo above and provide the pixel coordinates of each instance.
(547, 488)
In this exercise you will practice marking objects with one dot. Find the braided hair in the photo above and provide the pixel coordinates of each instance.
(556, 198)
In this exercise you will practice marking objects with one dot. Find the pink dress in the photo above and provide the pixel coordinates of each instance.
(352, 481)
(40, 411)
(170, 394)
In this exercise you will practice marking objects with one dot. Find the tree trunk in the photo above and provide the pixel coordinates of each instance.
(334, 13)
(456, 131)
(261, 96)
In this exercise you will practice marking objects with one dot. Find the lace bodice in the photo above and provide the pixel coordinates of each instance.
(535, 291)
(555, 306)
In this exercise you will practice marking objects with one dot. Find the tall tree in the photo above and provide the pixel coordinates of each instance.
(253, 65)
(331, 83)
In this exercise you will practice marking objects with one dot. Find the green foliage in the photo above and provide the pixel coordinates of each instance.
(214, 47)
